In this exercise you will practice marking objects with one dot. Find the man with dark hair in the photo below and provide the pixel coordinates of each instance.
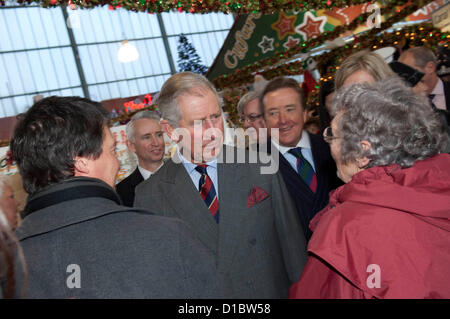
(77, 240)
(305, 159)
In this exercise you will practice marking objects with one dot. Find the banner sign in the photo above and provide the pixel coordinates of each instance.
(255, 36)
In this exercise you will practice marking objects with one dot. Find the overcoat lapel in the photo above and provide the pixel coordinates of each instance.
(185, 199)
(231, 202)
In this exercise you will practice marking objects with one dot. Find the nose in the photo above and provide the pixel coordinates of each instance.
(282, 118)
(154, 141)
(208, 124)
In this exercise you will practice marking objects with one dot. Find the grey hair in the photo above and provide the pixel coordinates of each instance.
(129, 129)
(421, 56)
(184, 83)
(245, 99)
(399, 124)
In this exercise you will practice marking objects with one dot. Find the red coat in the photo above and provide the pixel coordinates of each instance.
(385, 234)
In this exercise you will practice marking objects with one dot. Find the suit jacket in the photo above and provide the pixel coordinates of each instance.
(307, 203)
(120, 252)
(259, 249)
(126, 188)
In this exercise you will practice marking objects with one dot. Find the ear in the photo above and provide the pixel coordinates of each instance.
(81, 166)
(430, 67)
(130, 146)
(364, 161)
(305, 115)
(169, 130)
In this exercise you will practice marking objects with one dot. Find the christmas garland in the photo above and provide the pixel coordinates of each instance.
(124, 118)
(204, 6)
(423, 34)
(418, 35)
(240, 76)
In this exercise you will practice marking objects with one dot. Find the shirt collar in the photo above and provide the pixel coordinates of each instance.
(438, 88)
(190, 167)
(146, 173)
(303, 143)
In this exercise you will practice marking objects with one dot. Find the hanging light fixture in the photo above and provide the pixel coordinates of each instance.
(127, 52)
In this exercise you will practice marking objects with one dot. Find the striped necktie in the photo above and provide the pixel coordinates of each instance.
(208, 192)
(304, 169)
(431, 98)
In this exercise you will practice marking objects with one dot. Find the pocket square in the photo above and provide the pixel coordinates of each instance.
(257, 194)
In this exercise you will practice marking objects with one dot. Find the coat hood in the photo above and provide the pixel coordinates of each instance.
(422, 189)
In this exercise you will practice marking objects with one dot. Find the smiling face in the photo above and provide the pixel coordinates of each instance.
(201, 117)
(283, 110)
(148, 142)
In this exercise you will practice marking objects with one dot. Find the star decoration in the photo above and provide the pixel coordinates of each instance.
(291, 42)
(266, 44)
(311, 26)
(284, 25)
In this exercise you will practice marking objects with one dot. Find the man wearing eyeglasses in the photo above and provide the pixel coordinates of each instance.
(250, 113)
(306, 165)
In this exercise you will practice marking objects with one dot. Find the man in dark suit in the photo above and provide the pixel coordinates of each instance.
(438, 91)
(424, 60)
(78, 241)
(306, 164)
(145, 139)
(244, 217)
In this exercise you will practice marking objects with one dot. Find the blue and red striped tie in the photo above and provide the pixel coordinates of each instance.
(304, 169)
(208, 192)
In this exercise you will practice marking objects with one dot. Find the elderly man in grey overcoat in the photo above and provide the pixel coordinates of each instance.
(243, 214)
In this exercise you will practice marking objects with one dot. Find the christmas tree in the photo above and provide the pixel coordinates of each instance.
(188, 59)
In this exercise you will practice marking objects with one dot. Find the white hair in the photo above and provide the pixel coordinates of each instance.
(152, 115)
(184, 83)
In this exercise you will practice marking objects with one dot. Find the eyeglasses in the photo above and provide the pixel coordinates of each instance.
(251, 118)
(328, 135)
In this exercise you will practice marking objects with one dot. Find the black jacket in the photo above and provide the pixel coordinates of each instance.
(307, 203)
(126, 188)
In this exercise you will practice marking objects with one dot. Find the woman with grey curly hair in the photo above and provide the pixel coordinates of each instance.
(386, 232)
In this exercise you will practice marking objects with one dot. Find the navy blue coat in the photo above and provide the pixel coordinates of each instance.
(307, 203)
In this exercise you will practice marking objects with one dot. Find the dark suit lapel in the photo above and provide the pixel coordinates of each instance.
(317, 152)
(185, 199)
(136, 178)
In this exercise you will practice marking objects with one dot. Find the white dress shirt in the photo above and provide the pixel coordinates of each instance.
(439, 95)
(211, 170)
(146, 173)
(305, 144)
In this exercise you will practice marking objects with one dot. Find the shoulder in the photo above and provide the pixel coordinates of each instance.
(131, 179)
(318, 144)
(139, 221)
